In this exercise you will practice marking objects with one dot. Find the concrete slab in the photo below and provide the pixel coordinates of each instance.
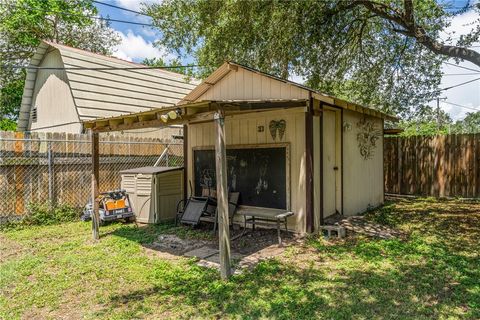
(202, 252)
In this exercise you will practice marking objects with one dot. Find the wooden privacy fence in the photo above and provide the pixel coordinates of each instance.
(57, 166)
(439, 166)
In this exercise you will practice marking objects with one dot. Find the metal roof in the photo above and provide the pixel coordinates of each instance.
(105, 92)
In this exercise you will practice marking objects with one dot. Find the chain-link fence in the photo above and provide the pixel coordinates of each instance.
(57, 167)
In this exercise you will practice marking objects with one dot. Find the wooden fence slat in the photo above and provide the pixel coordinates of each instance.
(433, 166)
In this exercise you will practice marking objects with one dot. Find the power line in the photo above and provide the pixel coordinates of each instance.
(460, 106)
(461, 67)
(100, 68)
(460, 74)
(458, 85)
(86, 16)
(120, 8)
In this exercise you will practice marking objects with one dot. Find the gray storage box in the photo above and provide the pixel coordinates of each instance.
(154, 192)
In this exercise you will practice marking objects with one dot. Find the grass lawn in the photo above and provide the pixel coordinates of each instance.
(58, 272)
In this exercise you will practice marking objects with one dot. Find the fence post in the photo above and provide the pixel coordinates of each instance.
(19, 172)
(51, 174)
(95, 185)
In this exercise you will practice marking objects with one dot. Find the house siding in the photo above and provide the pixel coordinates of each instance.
(242, 130)
(363, 178)
(51, 95)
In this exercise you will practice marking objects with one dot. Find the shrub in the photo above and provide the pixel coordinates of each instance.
(45, 213)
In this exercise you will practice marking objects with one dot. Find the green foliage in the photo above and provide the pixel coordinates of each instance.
(24, 23)
(470, 124)
(433, 274)
(426, 121)
(177, 65)
(350, 53)
(45, 214)
(8, 125)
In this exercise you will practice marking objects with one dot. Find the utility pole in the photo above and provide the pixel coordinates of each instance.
(439, 121)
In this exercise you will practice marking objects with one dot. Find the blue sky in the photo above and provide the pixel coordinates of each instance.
(137, 44)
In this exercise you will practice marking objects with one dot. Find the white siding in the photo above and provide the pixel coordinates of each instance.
(95, 93)
(363, 179)
(242, 129)
(246, 85)
(53, 99)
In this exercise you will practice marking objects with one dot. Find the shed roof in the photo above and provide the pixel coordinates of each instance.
(229, 66)
(106, 92)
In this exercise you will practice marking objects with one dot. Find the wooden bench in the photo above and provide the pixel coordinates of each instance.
(262, 216)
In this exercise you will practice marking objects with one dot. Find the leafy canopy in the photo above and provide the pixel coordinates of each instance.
(24, 23)
(354, 49)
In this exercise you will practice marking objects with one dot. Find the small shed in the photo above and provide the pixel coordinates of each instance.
(288, 147)
(154, 192)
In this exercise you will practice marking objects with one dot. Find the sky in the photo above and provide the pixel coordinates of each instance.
(137, 44)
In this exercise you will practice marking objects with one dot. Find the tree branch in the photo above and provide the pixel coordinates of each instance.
(406, 20)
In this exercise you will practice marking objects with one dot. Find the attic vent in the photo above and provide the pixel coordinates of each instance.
(34, 114)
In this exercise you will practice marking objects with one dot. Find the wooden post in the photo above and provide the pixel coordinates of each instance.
(185, 162)
(222, 196)
(309, 169)
(20, 174)
(95, 183)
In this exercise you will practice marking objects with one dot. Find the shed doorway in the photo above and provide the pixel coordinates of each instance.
(332, 179)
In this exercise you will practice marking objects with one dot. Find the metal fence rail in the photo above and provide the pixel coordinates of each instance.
(57, 167)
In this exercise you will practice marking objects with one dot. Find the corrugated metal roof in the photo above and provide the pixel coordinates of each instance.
(97, 93)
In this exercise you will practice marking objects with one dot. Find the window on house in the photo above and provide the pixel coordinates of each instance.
(34, 114)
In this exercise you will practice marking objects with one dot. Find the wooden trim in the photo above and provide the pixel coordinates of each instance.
(321, 166)
(309, 170)
(95, 185)
(383, 162)
(342, 180)
(185, 161)
(285, 145)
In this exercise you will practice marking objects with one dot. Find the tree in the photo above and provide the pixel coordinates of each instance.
(24, 23)
(379, 53)
(470, 124)
(174, 66)
(426, 121)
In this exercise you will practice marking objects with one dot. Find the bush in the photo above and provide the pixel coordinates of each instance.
(46, 213)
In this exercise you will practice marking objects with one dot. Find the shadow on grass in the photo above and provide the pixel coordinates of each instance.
(432, 274)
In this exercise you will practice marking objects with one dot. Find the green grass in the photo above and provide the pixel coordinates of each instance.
(57, 271)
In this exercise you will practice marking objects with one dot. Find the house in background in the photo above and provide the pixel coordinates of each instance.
(288, 147)
(60, 98)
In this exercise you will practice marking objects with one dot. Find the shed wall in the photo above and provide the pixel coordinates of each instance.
(246, 85)
(242, 130)
(53, 99)
(363, 179)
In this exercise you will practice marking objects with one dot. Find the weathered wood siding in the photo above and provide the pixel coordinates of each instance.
(363, 178)
(242, 130)
(54, 101)
(246, 85)
(441, 166)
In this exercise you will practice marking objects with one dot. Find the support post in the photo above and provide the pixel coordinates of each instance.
(95, 184)
(222, 196)
(185, 162)
(309, 170)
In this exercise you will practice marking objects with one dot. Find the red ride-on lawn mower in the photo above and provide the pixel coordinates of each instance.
(113, 205)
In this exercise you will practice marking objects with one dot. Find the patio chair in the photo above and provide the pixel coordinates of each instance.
(233, 198)
(194, 208)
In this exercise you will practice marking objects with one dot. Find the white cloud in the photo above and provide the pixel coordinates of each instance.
(134, 4)
(135, 48)
(467, 95)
